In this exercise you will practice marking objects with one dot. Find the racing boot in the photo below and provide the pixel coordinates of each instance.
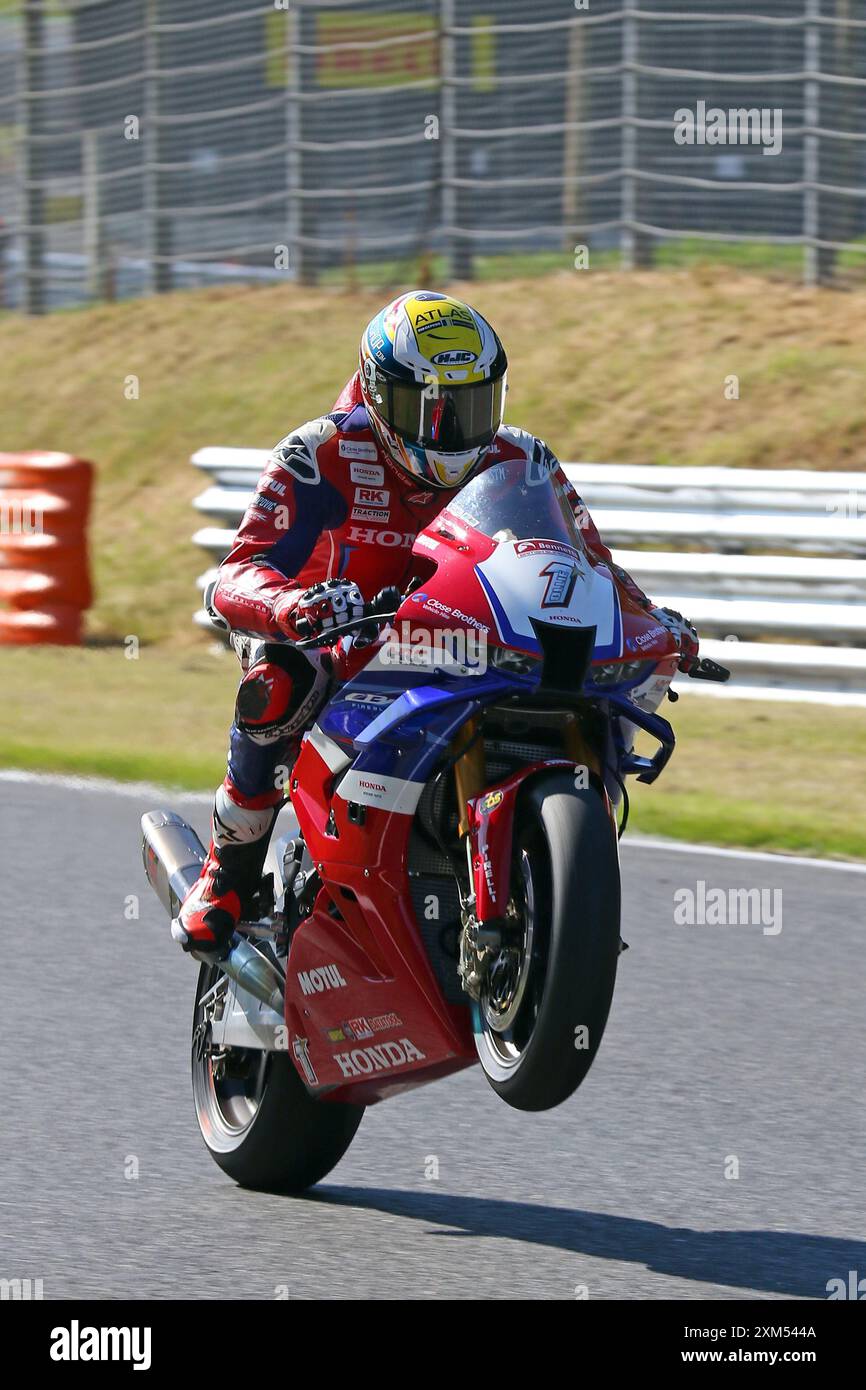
(231, 876)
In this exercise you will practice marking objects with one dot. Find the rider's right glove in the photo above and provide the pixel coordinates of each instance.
(387, 601)
(683, 633)
(317, 610)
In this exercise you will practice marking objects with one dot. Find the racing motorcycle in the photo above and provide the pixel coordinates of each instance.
(442, 887)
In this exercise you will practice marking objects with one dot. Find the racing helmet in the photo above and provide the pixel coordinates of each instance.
(433, 381)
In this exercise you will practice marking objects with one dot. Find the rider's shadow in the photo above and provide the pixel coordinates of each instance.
(791, 1263)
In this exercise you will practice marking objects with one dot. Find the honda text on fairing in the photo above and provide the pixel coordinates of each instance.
(448, 889)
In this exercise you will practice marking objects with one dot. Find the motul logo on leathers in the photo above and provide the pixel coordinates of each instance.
(322, 978)
(381, 1058)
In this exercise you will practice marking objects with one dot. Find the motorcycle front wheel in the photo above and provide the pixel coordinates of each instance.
(544, 1006)
(257, 1120)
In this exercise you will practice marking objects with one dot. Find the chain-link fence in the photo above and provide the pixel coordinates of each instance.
(152, 144)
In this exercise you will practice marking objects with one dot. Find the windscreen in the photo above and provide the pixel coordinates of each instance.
(504, 503)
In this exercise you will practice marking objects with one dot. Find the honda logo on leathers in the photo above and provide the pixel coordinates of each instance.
(380, 1058)
(367, 536)
(364, 472)
(322, 978)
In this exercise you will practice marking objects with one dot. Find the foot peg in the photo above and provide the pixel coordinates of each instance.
(243, 963)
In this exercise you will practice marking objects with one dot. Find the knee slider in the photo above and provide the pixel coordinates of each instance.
(265, 701)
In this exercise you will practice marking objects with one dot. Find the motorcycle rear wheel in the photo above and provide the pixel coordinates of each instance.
(543, 1011)
(257, 1120)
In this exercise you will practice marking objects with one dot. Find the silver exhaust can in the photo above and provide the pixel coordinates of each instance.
(173, 857)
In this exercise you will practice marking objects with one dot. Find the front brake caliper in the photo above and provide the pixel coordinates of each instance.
(480, 943)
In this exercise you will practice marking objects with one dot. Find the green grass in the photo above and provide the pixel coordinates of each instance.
(785, 778)
(161, 718)
(755, 257)
(775, 777)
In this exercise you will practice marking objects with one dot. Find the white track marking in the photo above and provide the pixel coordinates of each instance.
(841, 699)
(104, 785)
(725, 852)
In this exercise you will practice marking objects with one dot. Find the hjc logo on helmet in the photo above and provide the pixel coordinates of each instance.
(454, 358)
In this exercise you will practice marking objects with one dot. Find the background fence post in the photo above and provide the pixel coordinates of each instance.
(572, 142)
(838, 215)
(629, 135)
(458, 251)
(811, 100)
(32, 158)
(94, 241)
(157, 230)
(303, 254)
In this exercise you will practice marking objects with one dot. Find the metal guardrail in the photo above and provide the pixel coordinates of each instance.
(790, 625)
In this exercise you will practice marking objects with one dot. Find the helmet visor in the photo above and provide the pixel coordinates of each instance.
(453, 420)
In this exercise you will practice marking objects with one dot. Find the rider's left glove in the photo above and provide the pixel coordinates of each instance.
(683, 633)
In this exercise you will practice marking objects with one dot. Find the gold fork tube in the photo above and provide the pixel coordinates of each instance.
(470, 772)
(577, 747)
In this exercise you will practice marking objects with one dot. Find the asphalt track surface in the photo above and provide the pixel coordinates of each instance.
(724, 1043)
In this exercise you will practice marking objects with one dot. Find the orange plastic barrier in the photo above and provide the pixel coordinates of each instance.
(60, 626)
(44, 572)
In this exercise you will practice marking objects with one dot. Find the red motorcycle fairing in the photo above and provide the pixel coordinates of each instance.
(364, 1011)
(455, 550)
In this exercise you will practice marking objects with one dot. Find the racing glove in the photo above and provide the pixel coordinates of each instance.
(315, 611)
(386, 601)
(683, 633)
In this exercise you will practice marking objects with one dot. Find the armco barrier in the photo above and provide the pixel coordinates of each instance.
(44, 571)
(773, 555)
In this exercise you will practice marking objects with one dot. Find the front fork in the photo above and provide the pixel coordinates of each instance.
(486, 822)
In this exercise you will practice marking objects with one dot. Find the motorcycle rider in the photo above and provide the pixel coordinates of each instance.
(331, 525)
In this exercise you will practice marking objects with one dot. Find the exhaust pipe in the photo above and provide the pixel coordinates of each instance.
(252, 971)
(173, 856)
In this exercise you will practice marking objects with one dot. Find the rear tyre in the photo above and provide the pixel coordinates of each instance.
(256, 1118)
(543, 1011)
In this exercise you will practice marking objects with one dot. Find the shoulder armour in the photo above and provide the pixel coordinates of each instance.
(297, 453)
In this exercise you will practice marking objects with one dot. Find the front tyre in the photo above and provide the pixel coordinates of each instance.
(258, 1121)
(547, 995)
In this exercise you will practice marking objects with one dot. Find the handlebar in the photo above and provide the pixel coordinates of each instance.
(333, 634)
(707, 670)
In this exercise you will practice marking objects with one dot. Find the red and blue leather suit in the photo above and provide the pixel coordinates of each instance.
(329, 504)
